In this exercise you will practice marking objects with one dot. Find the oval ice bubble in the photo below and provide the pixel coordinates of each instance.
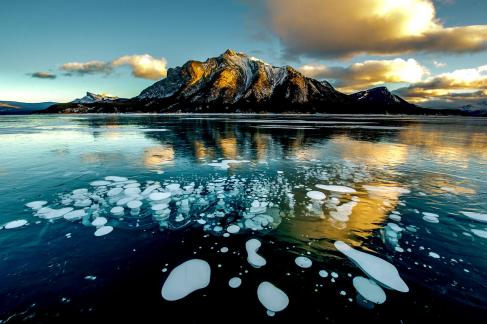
(475, 216)
(271, 297)
(117, 211)
(99, 183)
(15, 224)
(104, 230)
(369, 290)
(316, 195)
(36, 204)
(158, 196)
(335, 188)
(77, 214)
(186, 278)
(235, 282)
(99, 221)
(303, 262)
(233, 229)
(114, 192)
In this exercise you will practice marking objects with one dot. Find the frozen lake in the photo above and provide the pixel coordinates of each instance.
(249, 218)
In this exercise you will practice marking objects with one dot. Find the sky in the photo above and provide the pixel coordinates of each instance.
(433, 53)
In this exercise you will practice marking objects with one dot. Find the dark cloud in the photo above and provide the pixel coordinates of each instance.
(43, 75)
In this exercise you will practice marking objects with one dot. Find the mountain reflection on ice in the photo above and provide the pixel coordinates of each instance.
(189, 186)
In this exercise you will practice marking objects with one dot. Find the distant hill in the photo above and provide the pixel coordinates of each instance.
(382, 100)
(94, 98)
(18, 108)
(477, 108)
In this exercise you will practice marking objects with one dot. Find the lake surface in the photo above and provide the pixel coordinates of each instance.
(412, 191)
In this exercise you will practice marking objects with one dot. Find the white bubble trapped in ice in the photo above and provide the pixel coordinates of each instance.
(303, 262)
(253, 257)
(271, 297)
(186, 278)
(380, 270)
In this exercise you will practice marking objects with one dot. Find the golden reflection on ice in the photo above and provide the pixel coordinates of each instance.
(201, 151)
(372, 153)
(229, 147)
(261, 143)
(370, 214)
(446, 145)
(157, 155)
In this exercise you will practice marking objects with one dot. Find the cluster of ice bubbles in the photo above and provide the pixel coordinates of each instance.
(222, 205)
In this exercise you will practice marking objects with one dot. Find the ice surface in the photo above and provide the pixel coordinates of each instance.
(380, 270)
(225, 164)
(186, 278)
(273, 298)
(253, 257)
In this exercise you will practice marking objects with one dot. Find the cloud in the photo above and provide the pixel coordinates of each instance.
(359, 76)
(43, 75)
(439, 64)
(91, 67)
(452, 87)
(144, 66)
(345, 28)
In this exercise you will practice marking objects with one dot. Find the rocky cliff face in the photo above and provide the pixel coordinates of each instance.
(237, 82)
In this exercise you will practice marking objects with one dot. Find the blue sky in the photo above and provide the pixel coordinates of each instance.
(41, 36)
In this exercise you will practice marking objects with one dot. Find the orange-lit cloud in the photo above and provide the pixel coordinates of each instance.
(463, 84)
(143, 66)
(359, 76)
(329, 28)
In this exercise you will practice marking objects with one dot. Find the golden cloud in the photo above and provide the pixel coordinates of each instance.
(329, 28)
(462, 84)
(368, 73)
(143, 66)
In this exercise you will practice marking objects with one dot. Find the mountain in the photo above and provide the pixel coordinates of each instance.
(94, 98)
(477, 108)
(380, 99)
(237, 83)
(18, 108)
